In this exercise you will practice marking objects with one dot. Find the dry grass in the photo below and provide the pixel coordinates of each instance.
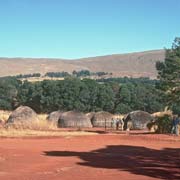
(119, 65)
(119, 116)
(161, 114)
(37, 79)
(4, 115)
(43, 124)
(36, 133)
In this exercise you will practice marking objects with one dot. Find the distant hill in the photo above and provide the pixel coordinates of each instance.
(139, 64)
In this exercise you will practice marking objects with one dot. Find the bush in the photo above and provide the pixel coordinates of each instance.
(162, 124)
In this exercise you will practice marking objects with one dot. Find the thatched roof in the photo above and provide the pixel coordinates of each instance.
(54, 117)
(22, 114)
(137, 120)
(74, 119)
(102, 119)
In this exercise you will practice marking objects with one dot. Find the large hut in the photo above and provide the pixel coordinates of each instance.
(137, 120)
(102, 119)
(74, 119)
(23, 115)
(53, 117)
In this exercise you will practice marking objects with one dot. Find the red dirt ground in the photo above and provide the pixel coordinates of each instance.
(103, 156)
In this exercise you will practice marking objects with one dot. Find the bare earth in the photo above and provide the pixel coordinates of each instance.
(103, 156)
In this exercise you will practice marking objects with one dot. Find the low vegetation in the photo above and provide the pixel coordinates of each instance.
(161, 124)
(63, 74)
(28, 75)
(35, 133)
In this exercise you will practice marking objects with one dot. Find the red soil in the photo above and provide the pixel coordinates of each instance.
(103, 156)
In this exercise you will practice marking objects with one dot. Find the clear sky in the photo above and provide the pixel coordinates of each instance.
(84, 28)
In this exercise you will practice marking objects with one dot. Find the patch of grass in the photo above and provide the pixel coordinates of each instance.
(4, 115)
(35, 133)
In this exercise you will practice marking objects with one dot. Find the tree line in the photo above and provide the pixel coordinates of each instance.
(81, 73)
(82, 95)
(28, 75)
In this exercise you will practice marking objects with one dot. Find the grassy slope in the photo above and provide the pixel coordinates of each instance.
(140, 64)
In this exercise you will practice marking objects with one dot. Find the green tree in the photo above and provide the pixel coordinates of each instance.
(8, 92)
(169, 74)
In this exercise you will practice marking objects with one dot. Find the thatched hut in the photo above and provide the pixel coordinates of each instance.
(74, 119)
(137, 120)
(102, 119)
(53, 117)
(22, 115)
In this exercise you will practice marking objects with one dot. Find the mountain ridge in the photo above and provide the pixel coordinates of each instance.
(137, 64)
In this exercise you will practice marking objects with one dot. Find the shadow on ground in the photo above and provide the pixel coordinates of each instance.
(162, 164)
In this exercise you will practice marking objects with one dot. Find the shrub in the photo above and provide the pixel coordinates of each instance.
(162, 124)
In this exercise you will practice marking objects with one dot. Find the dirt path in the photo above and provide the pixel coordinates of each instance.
(105, 157)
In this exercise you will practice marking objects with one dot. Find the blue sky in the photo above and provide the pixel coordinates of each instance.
(84, 28)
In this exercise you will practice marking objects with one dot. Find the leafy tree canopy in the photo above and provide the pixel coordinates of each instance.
(169, 74)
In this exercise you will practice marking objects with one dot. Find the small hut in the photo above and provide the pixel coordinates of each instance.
(53, 117)
(74, 119)
(137, 120)
(102, 119)
(22, 115)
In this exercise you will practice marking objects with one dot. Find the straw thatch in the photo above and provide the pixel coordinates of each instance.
(22, 114)
(102, 119)
(162, 113)
(53, 117)
(137, 120)
(74, 119)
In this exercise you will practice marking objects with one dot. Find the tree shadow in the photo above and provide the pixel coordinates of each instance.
(162, 164)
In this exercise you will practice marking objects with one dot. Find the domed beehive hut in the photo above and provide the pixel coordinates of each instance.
(74, 119)
(137, 120)
(53, 117)
(102, 119)
(23, 115)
